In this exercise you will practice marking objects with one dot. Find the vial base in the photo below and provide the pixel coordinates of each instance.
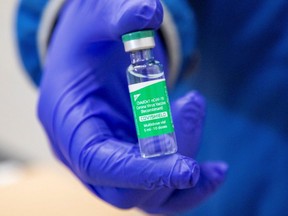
(158, 145)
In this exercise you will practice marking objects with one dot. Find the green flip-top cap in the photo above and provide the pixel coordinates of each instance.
(137, 35)
(138, 40)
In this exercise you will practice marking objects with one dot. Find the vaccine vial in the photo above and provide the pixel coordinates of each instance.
(149, 97)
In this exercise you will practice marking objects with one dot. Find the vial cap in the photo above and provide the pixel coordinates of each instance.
(138, 40)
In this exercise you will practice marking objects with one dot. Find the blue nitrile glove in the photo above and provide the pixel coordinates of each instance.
(85, 109)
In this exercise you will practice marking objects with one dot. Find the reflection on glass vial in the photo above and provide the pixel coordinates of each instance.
(149, 97)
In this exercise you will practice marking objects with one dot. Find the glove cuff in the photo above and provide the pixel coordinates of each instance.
(47, 25)
(28, 18)
(172, 43)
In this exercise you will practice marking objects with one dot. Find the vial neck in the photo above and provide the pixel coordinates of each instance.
(141, 56)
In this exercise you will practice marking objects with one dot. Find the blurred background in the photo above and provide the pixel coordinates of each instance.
(32, 182)
(20, 133)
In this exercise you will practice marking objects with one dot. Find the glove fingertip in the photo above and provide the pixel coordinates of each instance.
(213, 174)
(197, 98)
(185, 174)
(214, 169)
(138, 15)
(222, 167)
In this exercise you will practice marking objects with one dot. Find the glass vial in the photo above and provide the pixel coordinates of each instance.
(149, 97)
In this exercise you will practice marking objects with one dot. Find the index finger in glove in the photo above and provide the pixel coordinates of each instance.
(109, 19)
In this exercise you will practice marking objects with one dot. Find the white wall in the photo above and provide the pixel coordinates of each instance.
(20, 131)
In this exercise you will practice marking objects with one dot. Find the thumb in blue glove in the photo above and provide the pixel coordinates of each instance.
(85, 109)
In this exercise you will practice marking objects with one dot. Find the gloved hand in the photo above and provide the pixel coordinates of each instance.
(85, 109)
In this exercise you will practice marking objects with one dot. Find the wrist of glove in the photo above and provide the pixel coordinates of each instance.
(84, 107)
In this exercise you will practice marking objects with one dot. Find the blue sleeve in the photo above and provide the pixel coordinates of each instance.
(28, 18)
(243, 76)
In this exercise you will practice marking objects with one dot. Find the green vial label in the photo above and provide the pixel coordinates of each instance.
(151, 108)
